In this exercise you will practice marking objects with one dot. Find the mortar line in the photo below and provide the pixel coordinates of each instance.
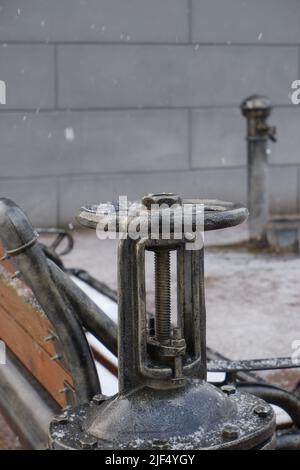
(130, 108)
(189, 137)
(55, 77)
(107, 174)
(190, 32)
(58, 201)
(145, 43)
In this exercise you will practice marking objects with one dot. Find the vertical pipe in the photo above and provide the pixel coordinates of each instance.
(257, 109)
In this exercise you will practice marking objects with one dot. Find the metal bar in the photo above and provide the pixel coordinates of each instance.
(93, 282)
(91, 316)
(102, 359)
(252, 364)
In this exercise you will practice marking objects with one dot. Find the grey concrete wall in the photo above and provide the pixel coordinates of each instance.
(109, 97)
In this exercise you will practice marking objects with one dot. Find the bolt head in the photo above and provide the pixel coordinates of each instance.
(160, 444)
(161, 198)
(98, 399)
(230, 432)
(262, 411)
(190, 237)
(88, 442)
(61, 419)
(228, 389)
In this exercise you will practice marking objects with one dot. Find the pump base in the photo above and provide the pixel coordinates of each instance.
(199, 416)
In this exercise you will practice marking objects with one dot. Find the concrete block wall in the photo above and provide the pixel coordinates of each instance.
(109, 97)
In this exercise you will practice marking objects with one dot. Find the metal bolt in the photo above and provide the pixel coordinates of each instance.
(56, 357)
(162, 273)
(162, 295)
(230, 431)
(98, 399)
(61, 419)
(228, 389)
(50, 337)
(262, 411)
(160, 444)
(4, 257)
(161, 198)
(189, 236)
(16, 275)
(88, 442)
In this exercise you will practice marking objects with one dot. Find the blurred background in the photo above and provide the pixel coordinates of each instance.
(109, 97)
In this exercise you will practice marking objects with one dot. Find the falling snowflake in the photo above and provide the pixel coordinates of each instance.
(69, 134)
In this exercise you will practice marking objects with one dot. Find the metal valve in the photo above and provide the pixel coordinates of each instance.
(164, 400)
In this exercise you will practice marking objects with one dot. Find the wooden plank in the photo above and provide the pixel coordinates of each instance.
(48, 372)
(24, 327)
(18, 300)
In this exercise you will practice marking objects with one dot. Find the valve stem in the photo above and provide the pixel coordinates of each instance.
(162, 295)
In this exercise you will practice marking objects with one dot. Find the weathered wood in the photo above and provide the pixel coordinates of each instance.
(17, 299)
(24, 328)
(48, 372)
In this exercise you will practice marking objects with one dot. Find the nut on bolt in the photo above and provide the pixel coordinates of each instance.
(228, 389)
(161, 198)
(262, 411)
(230, 432)
(160, 444)
(98, 399)
(87, 442)
(61, 419)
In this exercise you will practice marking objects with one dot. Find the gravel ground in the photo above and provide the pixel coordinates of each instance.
(252, 299)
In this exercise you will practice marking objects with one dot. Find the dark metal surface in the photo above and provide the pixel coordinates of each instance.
(217, 214)
(176, 419)
(90, 315)
(276, 396)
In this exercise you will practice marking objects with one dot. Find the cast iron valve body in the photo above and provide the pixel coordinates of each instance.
(164, 400)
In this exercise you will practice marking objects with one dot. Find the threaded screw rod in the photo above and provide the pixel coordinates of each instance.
(162, 295)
